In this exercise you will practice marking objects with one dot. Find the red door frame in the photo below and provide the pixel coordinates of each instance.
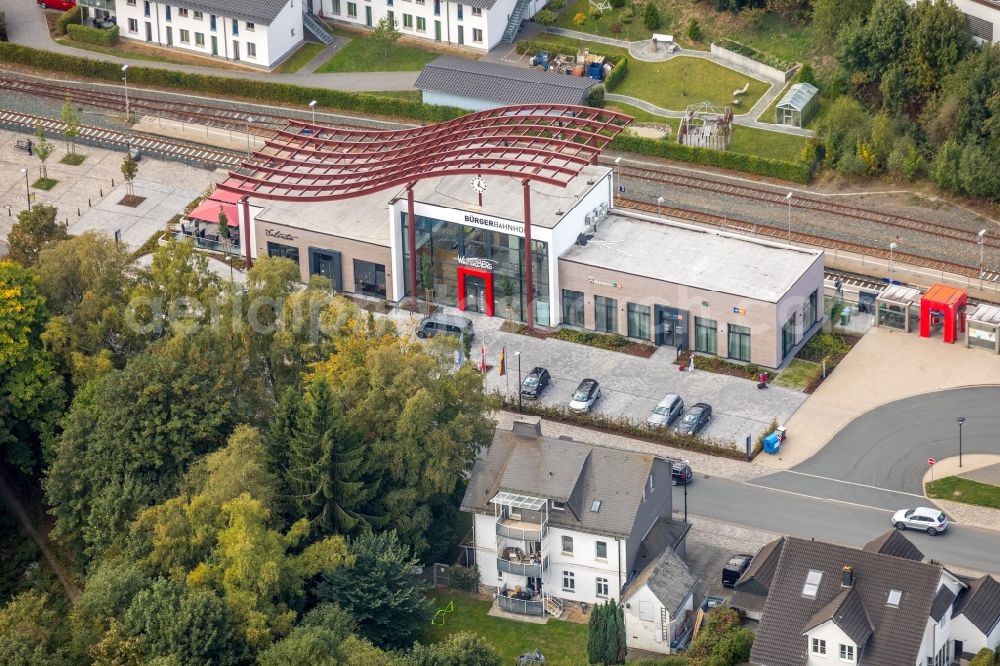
(463, 272)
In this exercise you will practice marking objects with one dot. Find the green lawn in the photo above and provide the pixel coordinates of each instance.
(562, 643)
(676, 83)
(363, 54)
(643, 116)
(958, 489)
(118, 51)
(298, 60)
(797, 375)
(778, 37)
(602, 26)
(764, 143)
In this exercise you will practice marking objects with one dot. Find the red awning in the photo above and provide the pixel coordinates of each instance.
(209, 209)
(225, 196)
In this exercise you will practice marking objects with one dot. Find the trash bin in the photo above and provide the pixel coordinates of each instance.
(845, 316)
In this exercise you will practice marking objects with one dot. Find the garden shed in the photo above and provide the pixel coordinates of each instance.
(798, 105)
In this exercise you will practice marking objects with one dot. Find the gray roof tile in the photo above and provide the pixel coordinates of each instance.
(847, 611)
(502, 84)
(254, 11)
(555, 467)
(980, 603)
(896, 632)
(668, 578)
(750, 593)
(894, 543)
(942, 602)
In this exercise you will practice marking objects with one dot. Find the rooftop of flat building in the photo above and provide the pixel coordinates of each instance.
(698, 257)
(364, 219)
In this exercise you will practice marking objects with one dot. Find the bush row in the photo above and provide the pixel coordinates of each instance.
(261, 90)
(67, 18)
(612, 341)
(556, 45)
(797, 172)
(84, 33)
(617, 74)
(620, 425)
(754, 54)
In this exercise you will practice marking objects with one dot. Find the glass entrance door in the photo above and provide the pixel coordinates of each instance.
(671, 327)
(475, 294)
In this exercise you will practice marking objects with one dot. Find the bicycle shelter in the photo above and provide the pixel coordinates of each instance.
(943, 306)
(896, 307)
(983, 328)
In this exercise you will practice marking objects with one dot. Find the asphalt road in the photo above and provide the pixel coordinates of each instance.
(848, 524)
(880, 458)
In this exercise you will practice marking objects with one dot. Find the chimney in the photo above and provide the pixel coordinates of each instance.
(847, 576)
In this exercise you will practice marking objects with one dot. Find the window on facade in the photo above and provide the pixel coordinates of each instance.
(558, 506)
(847, 653)
(391, 17)
(421, 24)
(572, 307)
(167, 13)
(369, 278)
(408, 21)
(421, 2)
(185, 36)
(646, 611)
(235, 26)
(251, 50)
(199, 39)
(250, 26)
(477, 35)
(605, 314)
(198, 16)
(638, 321)
(601, 550)
(286, 251)
(145, 8)
(567, 544)
(336, 6)
(980, 28)
(602, 587)
(706, 335)
(352, 9)
(459, 12)
(133, 25)
(477, 11)
(183, 13)
(818, 646)
(810, 311)
(569, 582)
(130, 3)
(788, 336)
(739, 342)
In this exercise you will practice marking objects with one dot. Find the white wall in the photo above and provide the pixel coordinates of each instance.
(973, 640)
(448, 17)
(648, 635)
(584, 565)
(991, 14)
(457, 101)
(486, 549)
(284, 34)
(834, 637)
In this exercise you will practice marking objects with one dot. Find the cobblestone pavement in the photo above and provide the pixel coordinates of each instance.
(710, 543)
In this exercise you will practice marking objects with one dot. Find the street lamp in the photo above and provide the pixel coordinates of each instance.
(659, 202)
(892, 248)
(788, 198)
(312, 107)
(982, 241)
(249, 120)
(27, 188)
(961, 420)
(518, 355)
(125, 79)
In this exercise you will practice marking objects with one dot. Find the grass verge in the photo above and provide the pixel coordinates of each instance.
(764, 143)
(642, 116)
(137, 52)
(363, 54)
(798, 374)
(602, 26)
(562, 643)
(44, 183)
(298, 60)
(967, 491)
(73, 159)
(681, 81)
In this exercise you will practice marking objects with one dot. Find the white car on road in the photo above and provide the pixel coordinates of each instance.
(926, 519)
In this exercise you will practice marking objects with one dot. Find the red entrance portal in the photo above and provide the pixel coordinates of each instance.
(485, 275)
(946, 302)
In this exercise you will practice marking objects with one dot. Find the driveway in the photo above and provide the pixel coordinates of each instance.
(630, 385)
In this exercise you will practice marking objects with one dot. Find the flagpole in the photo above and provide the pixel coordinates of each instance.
(503, 353)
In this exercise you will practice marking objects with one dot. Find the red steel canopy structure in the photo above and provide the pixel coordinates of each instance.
(547, 143)
(942, 301)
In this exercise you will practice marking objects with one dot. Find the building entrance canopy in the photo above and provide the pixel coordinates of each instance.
(548, 143)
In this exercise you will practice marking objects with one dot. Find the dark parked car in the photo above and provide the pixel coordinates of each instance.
(734, 568)
(694, 419)
(443, 324)
(585, 395)
(535, 383)
(681, 473)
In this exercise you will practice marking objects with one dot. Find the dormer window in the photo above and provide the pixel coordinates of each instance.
(895, 596)
(811, 586)
(558, 506)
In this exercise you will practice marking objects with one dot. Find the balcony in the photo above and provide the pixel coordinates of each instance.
(105, 5)
(520, 602)
(521, 531)
(533, 569)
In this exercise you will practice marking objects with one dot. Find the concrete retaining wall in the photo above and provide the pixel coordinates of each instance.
(752, 65)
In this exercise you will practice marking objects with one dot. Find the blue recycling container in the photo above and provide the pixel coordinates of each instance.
(772, 443)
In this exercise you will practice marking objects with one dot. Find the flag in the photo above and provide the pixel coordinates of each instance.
(503, 362)
(482, 366)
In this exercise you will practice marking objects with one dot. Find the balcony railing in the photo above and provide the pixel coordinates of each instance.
(521, 533)
(106, 5)
(232, 247)
(533, 569)
(521, 606)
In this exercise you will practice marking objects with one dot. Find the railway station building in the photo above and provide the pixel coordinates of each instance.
(512, 216)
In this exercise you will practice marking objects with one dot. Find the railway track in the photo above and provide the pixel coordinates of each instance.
(804, 202)
(781, 233)
(118, 140)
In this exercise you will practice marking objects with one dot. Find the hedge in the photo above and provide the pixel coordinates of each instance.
(84, 33)
(3, 27)
(754, 54)
(224, 86)
(67, 18)
(797, 172)
(616, 75)
(566, 47)
(984, 657)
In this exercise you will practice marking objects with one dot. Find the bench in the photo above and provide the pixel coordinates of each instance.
(743, 90)
(24, 144)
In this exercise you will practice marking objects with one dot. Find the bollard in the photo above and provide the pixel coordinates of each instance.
(112, 182)
(78, 211)
(101, 190)
(89, 205)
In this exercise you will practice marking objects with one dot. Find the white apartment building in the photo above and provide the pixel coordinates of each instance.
(479, 24)
(560, 522)
(254, 32)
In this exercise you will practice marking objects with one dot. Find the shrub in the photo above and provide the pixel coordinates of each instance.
(464, 578)
(616, 75)
(556, 5)
(617, 4)
(694, 30)
(580, 19)
(984, 657)
(651, 16)
(806, 74)
(67, 18)
(596, 97)
(3, 27)
(797, 172)
(596, 14)
(84, 33)
(827, 345)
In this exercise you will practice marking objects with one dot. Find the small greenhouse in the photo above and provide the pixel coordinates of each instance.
(798, 105)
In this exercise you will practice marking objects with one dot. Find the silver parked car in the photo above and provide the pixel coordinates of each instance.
(666, 411)
(586, 394)
(923, 518)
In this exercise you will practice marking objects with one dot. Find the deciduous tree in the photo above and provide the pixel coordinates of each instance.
(130, 169)
(72, 120)
(43, 149)
(33, 230)
(386, 34)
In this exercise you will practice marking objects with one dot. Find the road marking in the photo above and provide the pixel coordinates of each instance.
(820, 499)
(852, 483)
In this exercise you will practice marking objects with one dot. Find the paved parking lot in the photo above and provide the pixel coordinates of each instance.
(630, 385)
